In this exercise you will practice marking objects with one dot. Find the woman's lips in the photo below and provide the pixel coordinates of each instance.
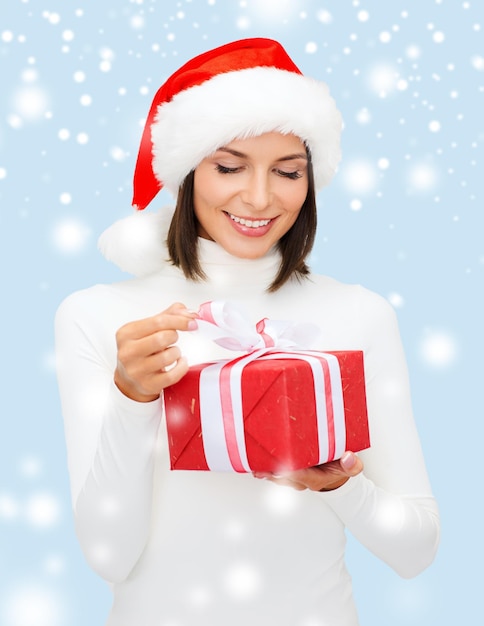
(250, 227)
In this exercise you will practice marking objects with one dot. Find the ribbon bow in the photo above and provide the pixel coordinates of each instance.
(229, 326)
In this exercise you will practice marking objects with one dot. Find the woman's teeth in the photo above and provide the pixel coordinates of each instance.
(248, 223)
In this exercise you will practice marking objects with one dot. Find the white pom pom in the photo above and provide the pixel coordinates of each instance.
(136, 244)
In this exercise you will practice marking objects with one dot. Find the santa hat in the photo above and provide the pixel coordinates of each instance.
(242, 89)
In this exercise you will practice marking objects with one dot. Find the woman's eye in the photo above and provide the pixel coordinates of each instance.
(226, 170)
(292, 175)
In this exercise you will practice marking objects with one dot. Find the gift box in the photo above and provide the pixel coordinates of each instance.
(268, 411)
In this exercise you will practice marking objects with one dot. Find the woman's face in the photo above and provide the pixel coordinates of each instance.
(248, 194)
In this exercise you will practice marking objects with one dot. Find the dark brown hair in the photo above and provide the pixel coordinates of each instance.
(294, 246)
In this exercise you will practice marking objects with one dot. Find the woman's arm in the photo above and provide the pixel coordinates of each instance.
(388, 507)
(110, 439)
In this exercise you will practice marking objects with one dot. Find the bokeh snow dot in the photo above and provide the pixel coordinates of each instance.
(281, 501)
(422, 177)
(42, 510)
(32, 606)
(30, 467)
(396, 300)
(15, 121)
(118, 154)
(70, 235)
(29, 75)
(363, 116)
(53, 18)
(359, 177)
(413, 52)
(383, 164)
(324, 16)
(137, 22)
(31, 102)
(273, 10)
(438, 349)
(477, 63)
(242, 581)
(243, 23)
(382, 79)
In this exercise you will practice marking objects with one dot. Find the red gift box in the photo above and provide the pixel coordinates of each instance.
(274, 412)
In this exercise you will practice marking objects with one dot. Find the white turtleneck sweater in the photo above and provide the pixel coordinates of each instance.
(215, 549)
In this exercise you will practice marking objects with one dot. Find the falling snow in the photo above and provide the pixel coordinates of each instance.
(403, 217)
(33, 606)
(438, 349)
(359, 177)
(70, 235)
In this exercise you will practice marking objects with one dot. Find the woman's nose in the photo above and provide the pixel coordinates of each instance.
(257, 193)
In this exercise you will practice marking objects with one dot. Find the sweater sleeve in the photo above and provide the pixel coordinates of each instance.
(390, 508)
(110, 443)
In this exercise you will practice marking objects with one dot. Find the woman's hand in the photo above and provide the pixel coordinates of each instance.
(320, 478)
(148, 361)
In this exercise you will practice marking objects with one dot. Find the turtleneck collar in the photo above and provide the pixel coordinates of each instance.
(221, 267)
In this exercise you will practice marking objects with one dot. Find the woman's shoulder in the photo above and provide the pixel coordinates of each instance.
(351, 293)
(105, 300)
(349, 313)
(94, 295)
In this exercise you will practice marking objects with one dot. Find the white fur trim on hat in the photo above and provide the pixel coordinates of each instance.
(244, 103)
(136, 244)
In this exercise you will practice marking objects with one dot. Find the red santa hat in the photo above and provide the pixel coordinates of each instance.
(242, 89)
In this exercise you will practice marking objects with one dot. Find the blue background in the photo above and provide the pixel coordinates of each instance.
(404, 217)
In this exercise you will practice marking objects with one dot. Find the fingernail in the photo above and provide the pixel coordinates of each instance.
(192, 325)
(348, 460)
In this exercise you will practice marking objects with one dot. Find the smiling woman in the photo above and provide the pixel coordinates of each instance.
(243, 140)
(266, 178)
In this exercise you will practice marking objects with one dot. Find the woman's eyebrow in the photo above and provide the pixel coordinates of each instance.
(241, 155)
(291, 157)
(235, 153)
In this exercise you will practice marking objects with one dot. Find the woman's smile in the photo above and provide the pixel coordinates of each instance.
(250, 227)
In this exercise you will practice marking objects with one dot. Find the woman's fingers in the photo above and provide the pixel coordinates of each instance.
(148, 361)
(176, 317)
(324, 477)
